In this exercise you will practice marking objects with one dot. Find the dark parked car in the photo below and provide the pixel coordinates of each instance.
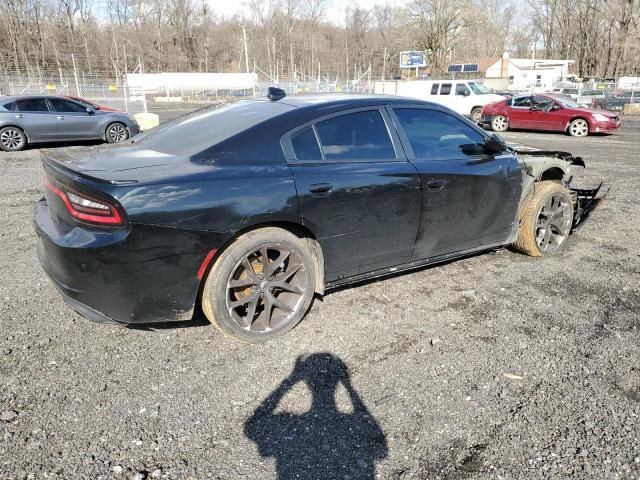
(37, 119)
(250, 209)
(548, 112)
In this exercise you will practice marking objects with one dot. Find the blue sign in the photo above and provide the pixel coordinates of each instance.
(412, 59)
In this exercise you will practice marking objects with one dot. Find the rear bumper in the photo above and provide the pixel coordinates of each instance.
(120, 275)
(87, 268)
(486, 120)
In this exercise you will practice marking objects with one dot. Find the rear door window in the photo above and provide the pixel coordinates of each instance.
(521, 102)
(32, 105)
(434, 88)
(445, 89)
(305, 145)
(437, 135)
(9, 105)
(355, 136)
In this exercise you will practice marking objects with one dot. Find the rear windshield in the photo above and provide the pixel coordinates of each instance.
(199, 130)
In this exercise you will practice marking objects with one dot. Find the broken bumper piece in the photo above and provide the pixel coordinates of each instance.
(585, 202)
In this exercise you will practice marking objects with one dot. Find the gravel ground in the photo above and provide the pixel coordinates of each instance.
(496, 366)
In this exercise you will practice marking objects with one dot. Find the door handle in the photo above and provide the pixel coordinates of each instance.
(19, 116)
(435, 185)
(60, 117)
(320, 189)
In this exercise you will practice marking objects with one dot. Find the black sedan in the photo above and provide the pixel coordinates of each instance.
(249, 210)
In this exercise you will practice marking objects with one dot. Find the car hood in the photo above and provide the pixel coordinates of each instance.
(606, 113)
(490, 98)
(124, 163)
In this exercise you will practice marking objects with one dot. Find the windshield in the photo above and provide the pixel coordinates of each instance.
(478, 88)
(566, 102)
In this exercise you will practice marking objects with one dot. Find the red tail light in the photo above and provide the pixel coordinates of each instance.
(85, 208)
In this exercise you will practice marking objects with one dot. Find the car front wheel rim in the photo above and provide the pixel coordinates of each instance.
(11, 139)
(118, 133)
(266, 288)
(579, 128)
(553, 223)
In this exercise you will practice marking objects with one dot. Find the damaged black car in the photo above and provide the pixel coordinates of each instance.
(249, 210)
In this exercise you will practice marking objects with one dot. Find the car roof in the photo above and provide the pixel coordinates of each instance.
(10, 98)
(350, 100)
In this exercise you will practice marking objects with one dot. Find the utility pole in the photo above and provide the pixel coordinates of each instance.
(384, 65)
(75, 75)
(246, 53)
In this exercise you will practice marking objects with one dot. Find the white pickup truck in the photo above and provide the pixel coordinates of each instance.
(467, 97)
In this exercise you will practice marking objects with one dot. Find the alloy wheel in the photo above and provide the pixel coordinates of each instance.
(118, 133)
(266, 288)
(11, 139)
(553, 223)
(500, 123)
(579, 128)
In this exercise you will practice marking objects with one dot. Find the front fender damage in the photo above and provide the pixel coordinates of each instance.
(538, 163)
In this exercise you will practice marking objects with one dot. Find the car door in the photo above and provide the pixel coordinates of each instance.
(356, 190)
(519, 112)
(74, 122)
(33, 116)
(462, 99)
(469, 197)
(547, 113)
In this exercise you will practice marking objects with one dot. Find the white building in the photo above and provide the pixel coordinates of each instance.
(530, 73)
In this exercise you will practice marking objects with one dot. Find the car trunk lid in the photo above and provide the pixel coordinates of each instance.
(121, 164)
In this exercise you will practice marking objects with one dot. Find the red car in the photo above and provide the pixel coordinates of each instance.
(92, 104)
(548, 112)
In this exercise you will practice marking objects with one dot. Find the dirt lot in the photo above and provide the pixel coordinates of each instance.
(497, 366)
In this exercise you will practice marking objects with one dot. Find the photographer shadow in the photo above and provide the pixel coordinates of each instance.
(322, 443)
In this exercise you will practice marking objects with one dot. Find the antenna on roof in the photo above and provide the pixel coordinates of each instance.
(276, 94)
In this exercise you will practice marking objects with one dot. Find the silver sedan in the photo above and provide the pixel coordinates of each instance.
(36, 119)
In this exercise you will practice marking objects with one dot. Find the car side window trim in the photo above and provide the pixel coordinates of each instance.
(290, 156)
(405, 139)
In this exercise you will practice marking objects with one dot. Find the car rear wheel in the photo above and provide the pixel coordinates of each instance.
(578, 128)
(546, 220)
(117, 133)
(261, 286)
(12, 139)
(476, 115)
(499, 123)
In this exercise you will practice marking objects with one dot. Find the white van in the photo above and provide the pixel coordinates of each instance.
(467, 97)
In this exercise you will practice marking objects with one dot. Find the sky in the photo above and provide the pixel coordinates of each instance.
(335, 11)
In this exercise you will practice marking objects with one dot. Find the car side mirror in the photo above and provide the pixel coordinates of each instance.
(494, 145)
(467, 93)
(556, 107)
(535, 108)
(90, 111)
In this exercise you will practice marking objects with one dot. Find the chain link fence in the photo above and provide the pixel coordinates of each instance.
(95, 89)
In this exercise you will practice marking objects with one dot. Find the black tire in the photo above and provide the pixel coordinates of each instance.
(116, 132)
(254, 302)
(543, 232)
(12, 139)
(476, 115)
